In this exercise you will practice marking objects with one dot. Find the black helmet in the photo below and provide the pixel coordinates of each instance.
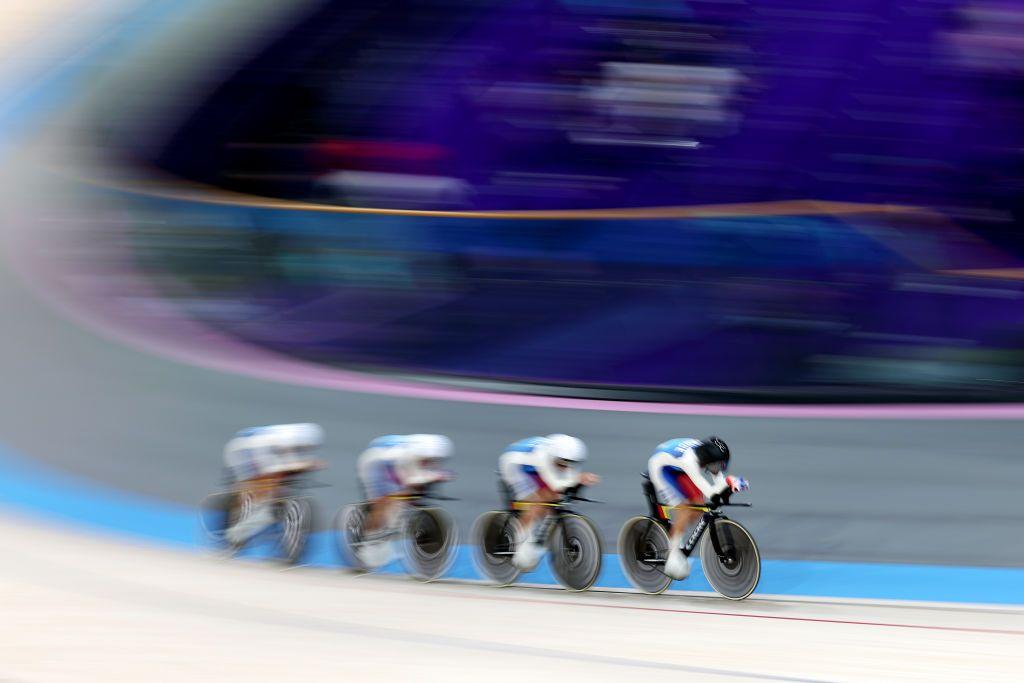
(712, 450)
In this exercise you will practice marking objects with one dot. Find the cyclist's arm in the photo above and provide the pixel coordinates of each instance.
(305, 465)
(405, 467)
(411, 473)
(557, 480)
(695, 472)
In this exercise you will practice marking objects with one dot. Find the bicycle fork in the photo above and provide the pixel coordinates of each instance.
(723, 550)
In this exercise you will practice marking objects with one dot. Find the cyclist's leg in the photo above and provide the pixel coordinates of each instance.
(683, 517)
(675, 489)
(383, 510)
(380, 487)
(260, 491)
(533, 514)
(527, 487)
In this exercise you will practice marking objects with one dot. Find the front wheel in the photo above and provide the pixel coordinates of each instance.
(733, 568)
(495, 535)
(576, 552)
(429, 542)
(643, 549)
(295, 515)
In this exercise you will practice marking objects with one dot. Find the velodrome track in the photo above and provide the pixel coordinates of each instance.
(129, 410)
(81, 608)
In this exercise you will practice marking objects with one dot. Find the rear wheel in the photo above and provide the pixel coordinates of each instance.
(643, 549)
(217, 512)
(734, 567)
(495, 535)
(349, 525)
(575, 552)
(429, 542)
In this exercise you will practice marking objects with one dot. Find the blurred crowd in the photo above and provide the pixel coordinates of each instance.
(900, 120)
(553, 104)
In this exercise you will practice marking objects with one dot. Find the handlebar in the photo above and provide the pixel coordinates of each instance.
(434, 496)
(302, 483)
(572, 494)
(714, 506)
(291, 479)
(581, 499)
(429, 491)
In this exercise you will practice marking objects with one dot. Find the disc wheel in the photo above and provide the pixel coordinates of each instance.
(735, 572)
(643, 549)
(349, 523)
(429, 542)
(295, 516)
(575, 552)
(495, 535)
(217, 512)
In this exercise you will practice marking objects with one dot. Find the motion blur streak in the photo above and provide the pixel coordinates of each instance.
(325, 212)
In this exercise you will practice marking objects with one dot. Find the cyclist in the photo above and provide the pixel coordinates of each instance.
(539, 470)
(258, 460)
(689, 472)
(397, 465)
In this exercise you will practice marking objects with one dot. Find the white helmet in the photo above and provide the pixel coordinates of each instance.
(252, 439)
(565, 447)
(299, 436)
(431, 445)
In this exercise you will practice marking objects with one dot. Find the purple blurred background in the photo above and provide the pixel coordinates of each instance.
(752, 107)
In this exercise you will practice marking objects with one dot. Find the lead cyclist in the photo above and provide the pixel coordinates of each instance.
(687, 472)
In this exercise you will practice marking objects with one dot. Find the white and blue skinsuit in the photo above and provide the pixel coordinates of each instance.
(393, 463)
(678, 476)
(271, 449)
(529, 465)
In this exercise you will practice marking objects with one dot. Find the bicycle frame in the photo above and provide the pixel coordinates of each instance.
(286, 486)
(559, 509)
(661, 514)
(412, 501)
